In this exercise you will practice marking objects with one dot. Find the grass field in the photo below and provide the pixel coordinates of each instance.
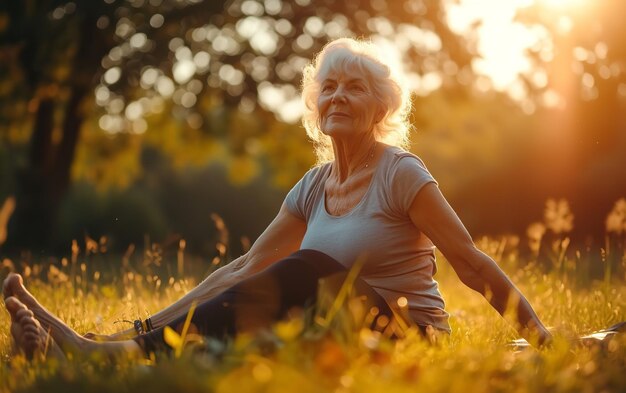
(95, 293)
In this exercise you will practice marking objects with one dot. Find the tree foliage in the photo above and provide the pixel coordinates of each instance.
(65, 61)
(85, 86)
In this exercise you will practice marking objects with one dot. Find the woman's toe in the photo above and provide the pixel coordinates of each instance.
(12, 284)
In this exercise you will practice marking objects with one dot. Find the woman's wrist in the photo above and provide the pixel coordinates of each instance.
(544, 337)
(536, 333)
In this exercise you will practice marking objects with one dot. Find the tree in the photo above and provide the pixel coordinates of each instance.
(58, 54)
(221, 70)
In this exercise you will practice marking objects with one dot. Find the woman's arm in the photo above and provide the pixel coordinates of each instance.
(280, 239)
(432, 214)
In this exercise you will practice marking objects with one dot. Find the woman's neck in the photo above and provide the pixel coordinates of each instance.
(352, 156)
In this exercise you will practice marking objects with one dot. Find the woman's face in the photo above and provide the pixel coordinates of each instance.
(347, 107)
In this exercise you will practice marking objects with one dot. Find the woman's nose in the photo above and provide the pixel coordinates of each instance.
(338, 95)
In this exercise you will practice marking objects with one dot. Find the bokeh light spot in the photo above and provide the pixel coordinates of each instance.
(112, 75)
(183, 71)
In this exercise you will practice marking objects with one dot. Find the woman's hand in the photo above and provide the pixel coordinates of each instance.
(537, 334)
(545, 337)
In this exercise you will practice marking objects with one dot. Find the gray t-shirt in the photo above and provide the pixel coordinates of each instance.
(399, 258)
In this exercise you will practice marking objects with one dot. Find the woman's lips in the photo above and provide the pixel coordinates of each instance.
(339, 114)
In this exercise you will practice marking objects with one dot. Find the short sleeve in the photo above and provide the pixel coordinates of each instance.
(299, 199)
(407, 176)
(295, 200)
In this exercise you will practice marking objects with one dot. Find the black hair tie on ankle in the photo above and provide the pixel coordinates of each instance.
(149, 326)
(139, 327)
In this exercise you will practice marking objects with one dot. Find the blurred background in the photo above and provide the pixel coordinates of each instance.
(177, 121)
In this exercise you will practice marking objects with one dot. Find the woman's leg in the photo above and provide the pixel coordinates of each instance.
(262, 299)
(252, 304)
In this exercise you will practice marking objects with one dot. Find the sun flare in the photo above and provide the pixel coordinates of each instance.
(560, 3)
(502, 43)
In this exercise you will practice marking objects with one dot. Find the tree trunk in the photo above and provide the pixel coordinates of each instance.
(29, 223)
(42, 185)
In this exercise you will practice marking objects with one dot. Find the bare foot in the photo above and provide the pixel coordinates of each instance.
(27, 333)
(13, 286)
(62, 334)
(9, 283)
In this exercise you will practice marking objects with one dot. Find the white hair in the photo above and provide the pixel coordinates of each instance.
(387, 84)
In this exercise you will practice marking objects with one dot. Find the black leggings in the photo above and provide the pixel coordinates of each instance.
(264, 298)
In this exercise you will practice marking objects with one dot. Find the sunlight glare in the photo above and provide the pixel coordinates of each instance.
(501, 43)
(561, 3)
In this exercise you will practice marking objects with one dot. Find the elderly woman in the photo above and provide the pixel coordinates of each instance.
(368, 200)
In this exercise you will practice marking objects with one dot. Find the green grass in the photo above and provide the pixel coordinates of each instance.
(475, 358)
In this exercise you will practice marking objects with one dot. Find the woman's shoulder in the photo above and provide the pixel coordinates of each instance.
(403, 166)
(401, 159)
(302, 196)
(315, 175)
(318, 170)
(405, 174)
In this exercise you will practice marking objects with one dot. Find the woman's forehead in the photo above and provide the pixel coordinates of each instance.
(343, 71)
